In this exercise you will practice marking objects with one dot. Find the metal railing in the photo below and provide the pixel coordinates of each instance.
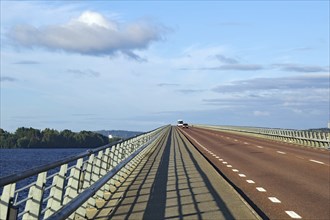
(64, 189)
(306, 138)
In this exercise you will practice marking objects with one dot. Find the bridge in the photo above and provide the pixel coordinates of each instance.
(200, 172)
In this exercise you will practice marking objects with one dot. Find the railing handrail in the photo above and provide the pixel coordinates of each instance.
(12, 178)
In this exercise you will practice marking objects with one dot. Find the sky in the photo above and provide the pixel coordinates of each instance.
(92, 65)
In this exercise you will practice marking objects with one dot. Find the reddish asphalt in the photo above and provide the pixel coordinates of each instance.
(283, 180)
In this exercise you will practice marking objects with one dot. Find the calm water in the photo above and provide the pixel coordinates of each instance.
(17, 160)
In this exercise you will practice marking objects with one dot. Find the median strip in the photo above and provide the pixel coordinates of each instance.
(280, 152)
(292, 214)
(274, 199)
(260, 189)
(316, 161)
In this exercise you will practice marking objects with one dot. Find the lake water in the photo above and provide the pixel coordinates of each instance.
(18, 160)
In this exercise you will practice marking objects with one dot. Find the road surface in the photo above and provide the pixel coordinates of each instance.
(282, 180)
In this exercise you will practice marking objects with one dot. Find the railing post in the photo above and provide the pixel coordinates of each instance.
(33, 205)
(5, 199)
(57, 191)
(88, 172)
(73, 182)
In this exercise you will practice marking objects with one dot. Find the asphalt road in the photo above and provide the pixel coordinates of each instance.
(283, 180)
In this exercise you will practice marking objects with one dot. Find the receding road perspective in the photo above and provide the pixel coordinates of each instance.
(281, 179)
(215, 110)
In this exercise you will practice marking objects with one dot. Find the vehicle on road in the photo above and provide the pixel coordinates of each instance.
(180, 123)
(185, 125)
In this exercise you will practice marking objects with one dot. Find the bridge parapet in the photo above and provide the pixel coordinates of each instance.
(65, 188)
(306, 138)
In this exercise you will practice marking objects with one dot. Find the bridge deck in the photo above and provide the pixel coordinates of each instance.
(175, 181)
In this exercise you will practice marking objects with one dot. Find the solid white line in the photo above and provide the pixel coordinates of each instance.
(234, 170)
(250, 181)
(241, 175)
(292, 214)
(274, 200)
(260, 189)
(280, 152)
(229, 166)
(316, 161)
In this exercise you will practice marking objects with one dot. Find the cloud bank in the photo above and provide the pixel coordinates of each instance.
(89, 34)
(282, 83)
(307, 94)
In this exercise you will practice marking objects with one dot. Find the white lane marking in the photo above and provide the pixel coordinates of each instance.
(260, 189)
(214, 155)
(234, 170)
(260, 146)
(316, 161)
(224, 162)
(236, 140)
(241, 175)
(229, 166)
(274, 199)
(217, 157)
(280, 152)
(250, 181)
(220, 159)
(292, 214)
(246, 143)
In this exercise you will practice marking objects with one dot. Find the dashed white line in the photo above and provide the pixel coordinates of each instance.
(260, 189)
(229, 166)
(241, 175)
(234, 170)
(217, 157)
(246, 143)
(280, 152)
(259, 147)
(220, 159)
(224, 162)
(274, 199)
(250, 181)
(316, 161)
(292, 214)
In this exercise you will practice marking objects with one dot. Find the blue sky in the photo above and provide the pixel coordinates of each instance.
(90, 65)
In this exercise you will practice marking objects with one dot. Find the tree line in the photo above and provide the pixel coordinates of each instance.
(51, 138)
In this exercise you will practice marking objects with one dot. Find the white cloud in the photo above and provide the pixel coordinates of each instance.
(91, 33)
(261, 113)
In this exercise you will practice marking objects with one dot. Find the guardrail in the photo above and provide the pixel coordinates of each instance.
(306, 138)
(64, 189)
